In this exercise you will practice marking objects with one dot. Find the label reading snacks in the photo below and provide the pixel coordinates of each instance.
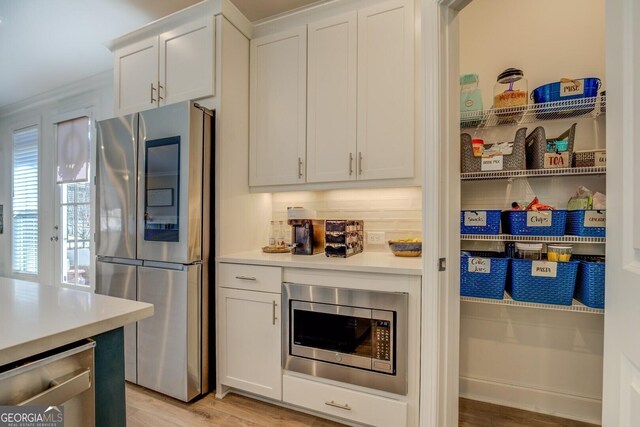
(475, 219)
(539, 219)
(544, 269)
(494, 163)
(479, 265)
(595, 219)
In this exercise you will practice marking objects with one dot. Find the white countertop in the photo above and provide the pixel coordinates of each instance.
(37, 318)
(368, 262)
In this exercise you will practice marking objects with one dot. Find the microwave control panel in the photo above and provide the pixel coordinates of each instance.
(382, 346)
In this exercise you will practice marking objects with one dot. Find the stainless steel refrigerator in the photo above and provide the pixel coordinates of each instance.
(154, 188)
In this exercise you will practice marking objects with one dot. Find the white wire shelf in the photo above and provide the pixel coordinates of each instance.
(537, 239)
(577, 306)
(575, 108)
(592, 170)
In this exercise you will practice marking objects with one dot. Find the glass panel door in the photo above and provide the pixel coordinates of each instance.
(75, 234)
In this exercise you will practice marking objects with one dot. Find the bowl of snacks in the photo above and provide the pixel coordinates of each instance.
(406, 247)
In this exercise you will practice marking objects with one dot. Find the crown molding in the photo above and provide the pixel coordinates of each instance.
(97, 81)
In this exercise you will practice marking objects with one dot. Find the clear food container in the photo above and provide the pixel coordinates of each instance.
(529, 251)
(559, 253)
(511, 92)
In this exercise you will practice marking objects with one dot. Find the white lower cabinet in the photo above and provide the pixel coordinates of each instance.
(250, 341)
(344, 403)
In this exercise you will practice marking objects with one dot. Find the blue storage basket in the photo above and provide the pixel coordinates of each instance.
(590, 283)
(575, 224)
(551, 93)
(492, 227)
(515, 223)
(547, 290)
(483, 285)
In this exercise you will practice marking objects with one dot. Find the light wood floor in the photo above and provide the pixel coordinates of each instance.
(146, 408)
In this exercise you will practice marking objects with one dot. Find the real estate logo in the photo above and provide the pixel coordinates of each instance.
(31, 416)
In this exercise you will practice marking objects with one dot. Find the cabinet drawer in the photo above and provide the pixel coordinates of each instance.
(251, 277)
(344, 403)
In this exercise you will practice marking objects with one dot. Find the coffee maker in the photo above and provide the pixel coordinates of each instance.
(307, 236)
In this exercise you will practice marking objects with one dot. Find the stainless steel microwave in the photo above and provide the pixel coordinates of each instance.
(349, 335)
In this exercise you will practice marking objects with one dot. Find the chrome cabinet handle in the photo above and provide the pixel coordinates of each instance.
(274, 312)
(350, 164)
(346, 407)
(245, 278)
(300, 167)
(360, 163)
(160, 87)
(152, 89)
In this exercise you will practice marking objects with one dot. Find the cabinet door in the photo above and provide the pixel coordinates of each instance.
(136, 77)
(385, 91)
(250, 340)
(331, 103)
(278, 113)
(187, 62)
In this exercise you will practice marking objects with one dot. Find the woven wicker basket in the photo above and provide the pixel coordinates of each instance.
(512, 162)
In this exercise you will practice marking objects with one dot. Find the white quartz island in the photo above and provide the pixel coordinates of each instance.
(36, 318)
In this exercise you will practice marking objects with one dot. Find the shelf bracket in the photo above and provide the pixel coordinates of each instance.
(442, 264)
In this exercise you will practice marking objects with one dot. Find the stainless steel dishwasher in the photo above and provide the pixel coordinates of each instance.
(63, 376)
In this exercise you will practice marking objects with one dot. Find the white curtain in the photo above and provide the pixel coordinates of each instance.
(73, 150)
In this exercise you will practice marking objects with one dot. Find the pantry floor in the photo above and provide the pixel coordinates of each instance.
(146, 408)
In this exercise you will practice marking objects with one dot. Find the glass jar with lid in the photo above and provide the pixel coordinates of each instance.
(511, 93)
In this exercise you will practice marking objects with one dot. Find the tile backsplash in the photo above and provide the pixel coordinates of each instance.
(395, 211)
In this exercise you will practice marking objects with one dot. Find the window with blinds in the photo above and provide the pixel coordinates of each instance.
(24, 224)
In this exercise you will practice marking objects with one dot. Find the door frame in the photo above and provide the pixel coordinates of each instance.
(440, 331)
(56, 219)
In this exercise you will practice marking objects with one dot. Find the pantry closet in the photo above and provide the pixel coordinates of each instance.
(541, 357)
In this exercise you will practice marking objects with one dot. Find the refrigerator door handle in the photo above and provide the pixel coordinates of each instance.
(116, 260)
(165, 265)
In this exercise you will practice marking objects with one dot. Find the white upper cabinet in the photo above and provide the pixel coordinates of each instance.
(186, 61)
(331, 103)
(174, 66)
(385, 91)
(136, 76)
(278, 97)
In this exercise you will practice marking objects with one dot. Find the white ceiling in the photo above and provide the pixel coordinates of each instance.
(46, 44)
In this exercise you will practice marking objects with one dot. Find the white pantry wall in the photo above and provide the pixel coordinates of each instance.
(395, 211)
(546, 39)
(540, 360)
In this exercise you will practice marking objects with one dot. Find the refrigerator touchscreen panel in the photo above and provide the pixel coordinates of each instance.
(162, 178)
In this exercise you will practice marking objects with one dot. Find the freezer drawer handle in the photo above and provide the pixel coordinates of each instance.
(346, 407)
(62, 389)
(245, 278)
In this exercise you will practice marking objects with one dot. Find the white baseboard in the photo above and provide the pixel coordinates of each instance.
(543, 401)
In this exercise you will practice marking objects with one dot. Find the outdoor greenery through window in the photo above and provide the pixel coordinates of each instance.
(24, 203)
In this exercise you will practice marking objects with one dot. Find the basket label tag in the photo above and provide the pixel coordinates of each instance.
(571, 88)
(475, 219)
(494, 163)
(556, 160)
(595, 219)
(539, 219)
(544, 269)
(600, 158)
(479, 265)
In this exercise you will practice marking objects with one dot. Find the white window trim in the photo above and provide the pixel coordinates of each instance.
(89, 112)
(33, 121)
